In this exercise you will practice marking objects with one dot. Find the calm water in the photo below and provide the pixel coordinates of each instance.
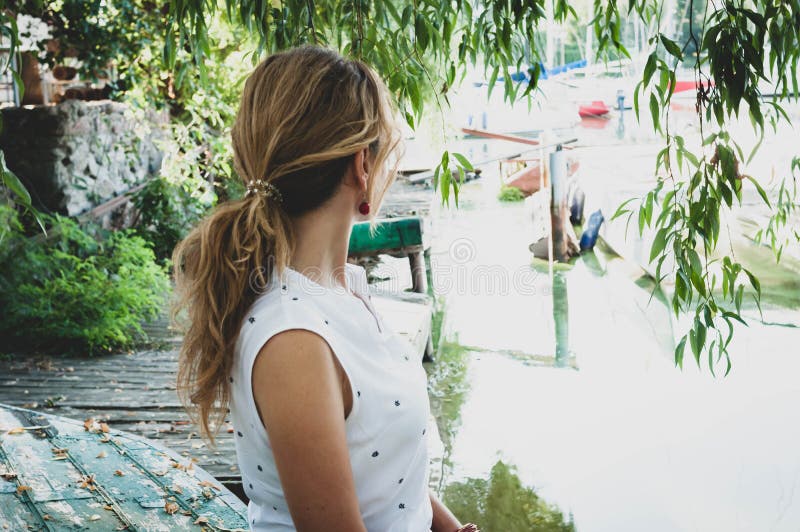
(558, 401)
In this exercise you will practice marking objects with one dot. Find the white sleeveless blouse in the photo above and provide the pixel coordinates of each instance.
(386, 428)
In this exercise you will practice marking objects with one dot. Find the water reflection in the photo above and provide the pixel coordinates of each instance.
(447, 389)
(561, 319)
(498, 501)
(502, 504)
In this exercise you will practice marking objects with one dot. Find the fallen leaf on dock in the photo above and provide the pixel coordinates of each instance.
(91, 425)
(208, 484)
(102, 454)
(22, 488)
(104, 427)
(108, 507)
(171, 507)
(119, 473)
(87, 482)
(46, 517)
(17, 430)
(183, 467)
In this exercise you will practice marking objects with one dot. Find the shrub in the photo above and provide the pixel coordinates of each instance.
(166, 211)
(75, 290)
(510, 194)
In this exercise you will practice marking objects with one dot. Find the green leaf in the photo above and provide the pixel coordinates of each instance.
(408, 12)
(465, 164)
(654, 111)
(13, 183)
(695, 346)
(760, 190)
(621, 209)
(421, 31)
(679, 352)
(659, 243)
(649, 69)
(493, 80)
(415, 96)
(672, 48)
(754, 282)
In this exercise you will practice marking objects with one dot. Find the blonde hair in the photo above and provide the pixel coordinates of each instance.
(304, 113)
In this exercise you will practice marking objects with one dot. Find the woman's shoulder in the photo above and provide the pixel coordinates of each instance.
(284, 304)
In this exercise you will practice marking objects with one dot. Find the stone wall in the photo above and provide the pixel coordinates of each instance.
(77, 155)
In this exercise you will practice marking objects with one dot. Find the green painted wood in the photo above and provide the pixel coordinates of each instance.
(44, 470)
(390, 235)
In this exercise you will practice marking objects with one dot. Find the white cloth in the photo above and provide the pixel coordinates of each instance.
(386, 428)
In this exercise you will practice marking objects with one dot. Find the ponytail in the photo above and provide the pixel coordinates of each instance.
(219, 270)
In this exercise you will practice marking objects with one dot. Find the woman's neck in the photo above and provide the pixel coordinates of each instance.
(321, 242)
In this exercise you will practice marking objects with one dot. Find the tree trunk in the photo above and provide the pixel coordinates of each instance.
(31, 80)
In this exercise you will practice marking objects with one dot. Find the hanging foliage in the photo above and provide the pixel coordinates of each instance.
(423, 46)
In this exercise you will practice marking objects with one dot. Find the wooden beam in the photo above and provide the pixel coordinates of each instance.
(500, 136)
(393, 236)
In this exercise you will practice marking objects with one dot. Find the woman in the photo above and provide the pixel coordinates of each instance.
(329, 408)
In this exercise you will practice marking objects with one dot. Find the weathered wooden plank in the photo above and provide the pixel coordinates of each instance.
(106, 479)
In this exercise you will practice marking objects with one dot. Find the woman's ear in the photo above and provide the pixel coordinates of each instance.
(361, 168)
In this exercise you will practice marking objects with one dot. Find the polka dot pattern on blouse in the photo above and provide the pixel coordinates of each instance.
(385, 429)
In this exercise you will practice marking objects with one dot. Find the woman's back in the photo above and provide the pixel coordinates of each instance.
(386, 426)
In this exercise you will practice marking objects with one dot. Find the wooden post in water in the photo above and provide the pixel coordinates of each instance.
(558, 204)
(418, 272)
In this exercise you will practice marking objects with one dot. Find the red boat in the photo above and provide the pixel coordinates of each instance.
(596, 108)
(690, 84)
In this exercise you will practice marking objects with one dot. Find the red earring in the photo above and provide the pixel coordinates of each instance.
(363, 208)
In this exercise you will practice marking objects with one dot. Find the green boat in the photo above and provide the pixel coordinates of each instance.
(62, 474)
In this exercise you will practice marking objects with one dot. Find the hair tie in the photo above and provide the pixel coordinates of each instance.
(263, 188)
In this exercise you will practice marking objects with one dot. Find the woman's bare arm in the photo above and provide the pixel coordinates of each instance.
(443, 518)
(299, 395)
